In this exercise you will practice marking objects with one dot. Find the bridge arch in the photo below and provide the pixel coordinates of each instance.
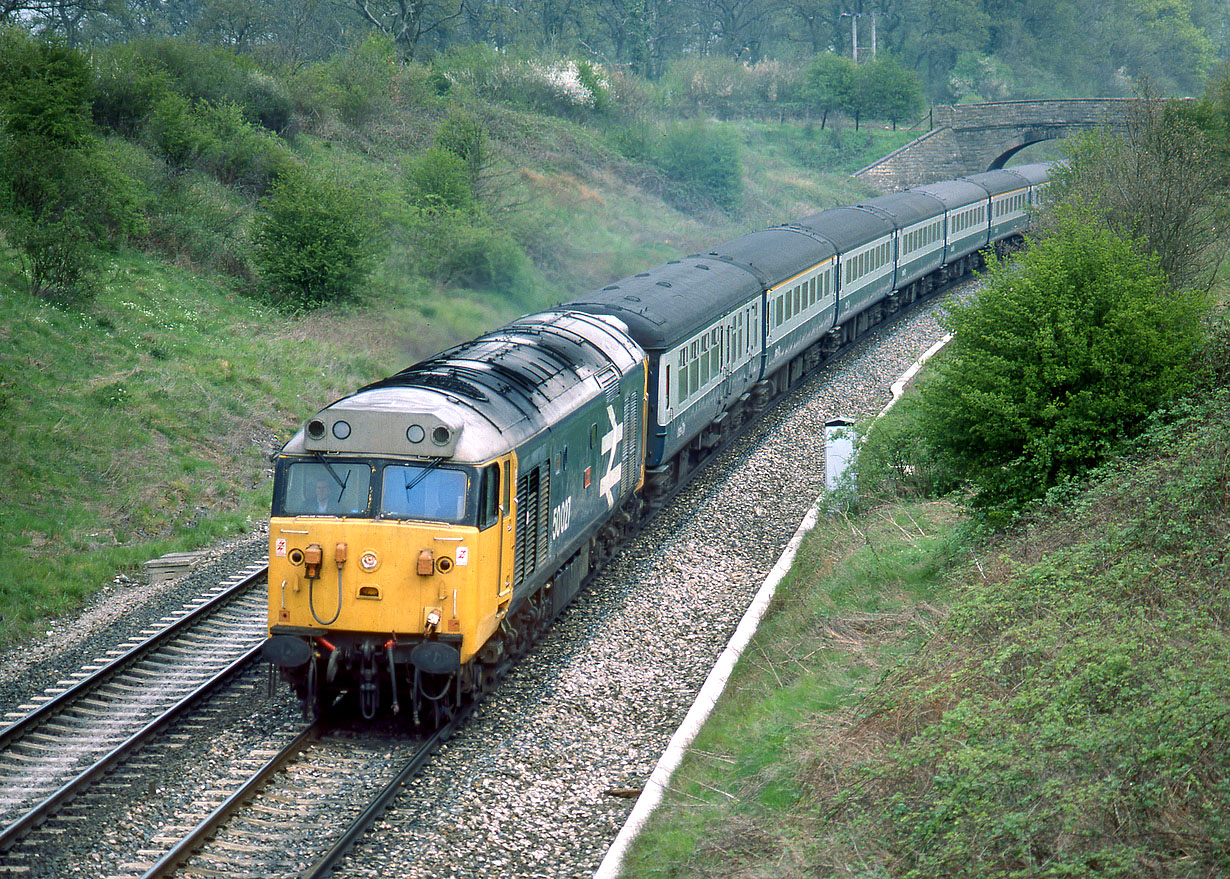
(968, 138)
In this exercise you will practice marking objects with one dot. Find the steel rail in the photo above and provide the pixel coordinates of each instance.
(39, 813)
(167, 864)
(23, 725)
(370, 815)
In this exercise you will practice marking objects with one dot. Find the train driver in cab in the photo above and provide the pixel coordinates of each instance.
(322, 500)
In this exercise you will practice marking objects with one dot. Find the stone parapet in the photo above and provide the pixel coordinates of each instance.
(969, 138)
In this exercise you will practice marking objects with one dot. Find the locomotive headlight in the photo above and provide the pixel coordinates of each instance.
(369, 561)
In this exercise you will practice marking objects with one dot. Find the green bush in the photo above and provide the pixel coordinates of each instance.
(216, 139)
(634, 139)
(44, 90)
(708, 85)
(1063, 355)
(313, 244)
(132, 78)
(439, 180)
(355, 83)
(235, 151)
(60, 187)
(172, 130)
(197, 223)
(895, 458)
(703, 162)
(57, 256)
(464, 135)
(469, 250)
(127, 88)
(558, 86)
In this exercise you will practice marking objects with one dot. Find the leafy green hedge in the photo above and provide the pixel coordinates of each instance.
(1062, 356)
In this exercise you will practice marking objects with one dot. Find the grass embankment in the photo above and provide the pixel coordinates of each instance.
(139, 424)
(921, 702)
(142, 426)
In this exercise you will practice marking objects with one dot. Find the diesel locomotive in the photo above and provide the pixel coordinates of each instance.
(428, 527)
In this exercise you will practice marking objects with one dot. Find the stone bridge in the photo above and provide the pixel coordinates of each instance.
(969, 138)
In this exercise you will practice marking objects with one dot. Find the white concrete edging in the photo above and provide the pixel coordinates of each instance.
(899, 385)
(715, 683)
(712, 690)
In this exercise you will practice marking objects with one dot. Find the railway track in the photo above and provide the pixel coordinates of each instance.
(336, 782)
(106, 712)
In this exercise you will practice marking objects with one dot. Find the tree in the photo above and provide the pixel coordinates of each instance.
(313, 242)
(830, 83)
(1152, 183)
(408, 22)
(59, 198)
(888, 91)
(1063, 355)
(929, 35)
(738, 28)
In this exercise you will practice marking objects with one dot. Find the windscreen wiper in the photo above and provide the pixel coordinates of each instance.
(421, 475)
(333, 473)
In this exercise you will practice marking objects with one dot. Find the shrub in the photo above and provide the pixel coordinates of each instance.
(133, 78)
(57, 256)
(44, 90)
(1062, 356)
(197, 223)
(897, 460)
(171, 129)
(355, 83)
(58, 183)
(439, 180)
(704, 161)
(233, 150)
(709, 85)
(464, 135)
(467, 249)
(127, 88)
(313, 243)
(560, 86)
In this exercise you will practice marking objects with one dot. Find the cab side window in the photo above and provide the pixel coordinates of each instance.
(489, 496)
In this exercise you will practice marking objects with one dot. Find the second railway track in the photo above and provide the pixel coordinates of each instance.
(98, 718)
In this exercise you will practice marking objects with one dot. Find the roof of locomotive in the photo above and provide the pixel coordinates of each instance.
(672, 301)
(847, 227)
(480, 399)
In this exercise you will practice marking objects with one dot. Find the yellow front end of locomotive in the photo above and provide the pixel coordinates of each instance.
(391, 578)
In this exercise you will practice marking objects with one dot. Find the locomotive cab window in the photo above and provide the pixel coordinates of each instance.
(489, 496)
(423, 491)
(323, 488)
